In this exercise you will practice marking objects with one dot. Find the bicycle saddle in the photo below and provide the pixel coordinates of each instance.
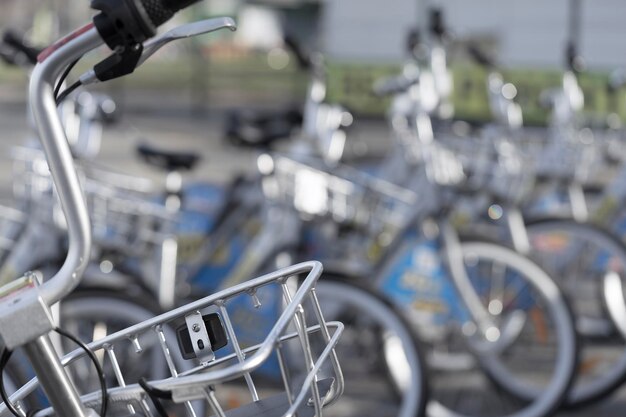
(166, 159)
(249, 128)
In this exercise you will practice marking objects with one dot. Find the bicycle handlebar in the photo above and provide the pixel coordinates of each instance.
(617, 80)
(123, 23)
(573, 60)
(9, 57)
(394, 85)
(185, 31)
(15, 42)
(160, 11)
(480, 57)
(139, 18)
(304, 59)
(437, 26)
(25, 316)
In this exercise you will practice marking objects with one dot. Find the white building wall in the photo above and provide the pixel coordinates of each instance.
(529, 33)
(367, 29)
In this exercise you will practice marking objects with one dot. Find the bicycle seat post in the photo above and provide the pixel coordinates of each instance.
(173, 188)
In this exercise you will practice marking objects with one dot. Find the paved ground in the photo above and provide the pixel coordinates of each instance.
(162, 125)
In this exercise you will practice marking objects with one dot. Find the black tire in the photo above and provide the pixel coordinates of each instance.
(411, 399)
(612, 375)
(475, 379)
(92, 314)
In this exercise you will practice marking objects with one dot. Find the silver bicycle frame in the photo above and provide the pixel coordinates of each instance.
(25, 318)
(61, 164)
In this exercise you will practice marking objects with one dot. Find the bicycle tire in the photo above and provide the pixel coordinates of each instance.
(338, 296)
(547, 400)
(121, 310)
(611, 377)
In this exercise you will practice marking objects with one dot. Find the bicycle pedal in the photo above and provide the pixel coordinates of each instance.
(200, 336)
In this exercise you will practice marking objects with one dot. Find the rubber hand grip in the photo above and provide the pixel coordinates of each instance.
(160, 11)
(14, 41)
(126, 23)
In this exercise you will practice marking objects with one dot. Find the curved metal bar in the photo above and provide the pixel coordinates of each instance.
(259, 353)
(60, 161)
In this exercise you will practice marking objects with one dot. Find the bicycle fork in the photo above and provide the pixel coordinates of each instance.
(494, 338)
(453, 256)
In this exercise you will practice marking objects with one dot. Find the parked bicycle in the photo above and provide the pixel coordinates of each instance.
(27, 319)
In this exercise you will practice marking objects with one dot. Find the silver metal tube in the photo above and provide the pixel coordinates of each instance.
(61, 164)
(54, 380)
(465, 289)
(240, 355)
(580, 211)
(517, 229)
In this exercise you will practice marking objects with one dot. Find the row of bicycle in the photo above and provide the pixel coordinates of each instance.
(488, 315)
(139, 361)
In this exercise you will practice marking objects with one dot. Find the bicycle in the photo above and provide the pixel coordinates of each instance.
(133, 26)
(352, 200)
(131, 228)
(582, 255)
(409, 115)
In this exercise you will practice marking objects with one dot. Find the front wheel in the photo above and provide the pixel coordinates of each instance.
(93, 314)
(523, 363)
(584, 258)
(383, 368)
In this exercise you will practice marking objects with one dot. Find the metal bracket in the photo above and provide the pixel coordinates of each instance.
(199, 337)
(24, 315)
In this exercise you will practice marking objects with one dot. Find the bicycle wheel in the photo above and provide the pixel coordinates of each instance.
(581, 256)
(530, 347)
(92, 314)
(383, 368)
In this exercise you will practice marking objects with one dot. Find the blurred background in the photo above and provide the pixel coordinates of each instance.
(361, 42)
(183, 97)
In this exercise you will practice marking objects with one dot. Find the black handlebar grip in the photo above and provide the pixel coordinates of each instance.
(437, 24)
(124, 23)
(160, 11)
(480, 57)
(15, 41)
(413, 40)
(7, 57)
(304, 60)
(617, 80)
(573, 60)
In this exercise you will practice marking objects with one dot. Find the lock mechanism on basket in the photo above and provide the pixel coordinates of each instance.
(201, 336)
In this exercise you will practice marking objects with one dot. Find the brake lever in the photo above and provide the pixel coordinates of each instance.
(180, 32)
(185, 31)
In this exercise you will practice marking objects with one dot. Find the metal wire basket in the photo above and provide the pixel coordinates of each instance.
(496, 166)
(12, 222)
(34, 190)
(300, 341)
(126, 220)
(124, 216)
(344, 194)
